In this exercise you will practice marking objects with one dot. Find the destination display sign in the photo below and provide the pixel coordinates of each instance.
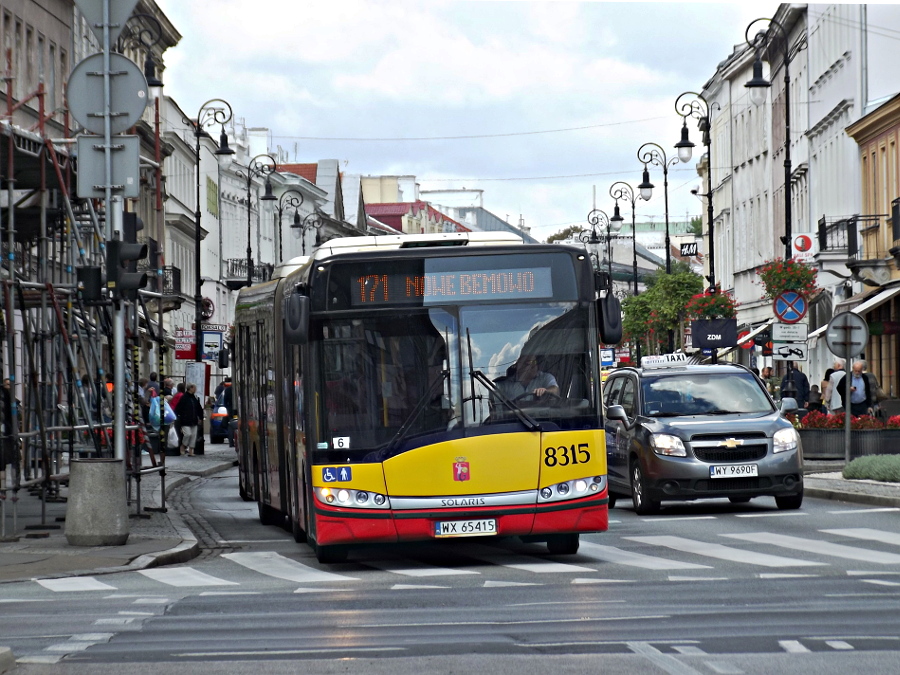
(451, 286)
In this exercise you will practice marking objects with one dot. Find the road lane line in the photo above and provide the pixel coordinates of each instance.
(793, 646)
(867, 534)
(723, 552)
(820, 547)
(840, 645)
(411, 568)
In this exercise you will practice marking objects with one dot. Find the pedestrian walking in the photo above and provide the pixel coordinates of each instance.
(828, 399)
(153, 384)
(862, 397)
(189, 413)
(795, 385)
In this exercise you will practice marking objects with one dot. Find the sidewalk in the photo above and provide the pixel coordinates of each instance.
(40, 550)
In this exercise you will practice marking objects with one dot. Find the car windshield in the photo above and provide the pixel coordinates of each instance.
(690, 393)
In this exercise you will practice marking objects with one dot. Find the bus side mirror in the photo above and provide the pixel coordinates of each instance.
(296, 319)
(609, 316)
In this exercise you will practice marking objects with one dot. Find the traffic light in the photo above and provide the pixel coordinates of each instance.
(122, 277)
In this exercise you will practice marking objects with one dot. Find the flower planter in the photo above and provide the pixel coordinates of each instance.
(829, 443)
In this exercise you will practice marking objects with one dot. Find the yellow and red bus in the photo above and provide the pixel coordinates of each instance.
(415, 387)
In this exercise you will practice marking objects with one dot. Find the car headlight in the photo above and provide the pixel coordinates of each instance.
(572, 489)
(350, 498)
(784, 440)
(666, 444)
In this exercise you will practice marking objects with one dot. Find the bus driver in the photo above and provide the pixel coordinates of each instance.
(529, 379)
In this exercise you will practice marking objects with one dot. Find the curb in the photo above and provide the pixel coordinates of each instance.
(7, 660)
(855, 497)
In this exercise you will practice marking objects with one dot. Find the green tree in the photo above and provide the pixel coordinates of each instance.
(697, 226)
(650, 315)
(562, 235)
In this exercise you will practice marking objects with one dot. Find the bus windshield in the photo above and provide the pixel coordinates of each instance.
(391, 384)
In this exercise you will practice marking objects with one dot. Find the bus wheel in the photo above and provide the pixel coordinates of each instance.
(243, 493)
(328, 555)
(563, 544)
(268, 515)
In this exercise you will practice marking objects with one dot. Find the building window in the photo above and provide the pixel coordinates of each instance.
(212, 197)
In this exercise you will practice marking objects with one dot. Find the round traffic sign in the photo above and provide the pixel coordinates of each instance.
(127, 89)
(847, 335)
(746, 344)
(790, 307)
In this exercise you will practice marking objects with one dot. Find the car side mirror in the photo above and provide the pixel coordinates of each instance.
(616, 413)
(789, 405)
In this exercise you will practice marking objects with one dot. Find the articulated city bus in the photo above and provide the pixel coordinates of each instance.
(415, 387)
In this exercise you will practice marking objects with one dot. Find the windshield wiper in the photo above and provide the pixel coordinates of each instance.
(524, 417)
(416, 412)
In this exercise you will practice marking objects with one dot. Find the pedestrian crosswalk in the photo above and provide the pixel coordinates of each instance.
(761, 555)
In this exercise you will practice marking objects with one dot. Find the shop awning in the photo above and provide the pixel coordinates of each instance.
(862, 308)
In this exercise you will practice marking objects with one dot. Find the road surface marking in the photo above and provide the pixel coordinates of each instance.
(792, 646)
(886, 509)
(867, 534)
(410, 568)
(621, 557)
(275, 565)
(75, 584)
(723, 552)
(839, 645)
(184, 577)
(819, 547)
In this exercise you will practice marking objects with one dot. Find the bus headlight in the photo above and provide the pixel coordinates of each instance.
(572, 489)
(348, 497)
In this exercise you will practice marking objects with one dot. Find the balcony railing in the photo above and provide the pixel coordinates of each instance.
(858, 237)
(171, 280)
(236, 268)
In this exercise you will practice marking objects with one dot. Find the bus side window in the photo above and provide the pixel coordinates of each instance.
(627, 399)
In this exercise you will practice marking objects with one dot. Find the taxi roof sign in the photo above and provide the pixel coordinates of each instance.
(663, 360)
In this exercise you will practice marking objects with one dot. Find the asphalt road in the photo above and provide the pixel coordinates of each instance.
(708, 587)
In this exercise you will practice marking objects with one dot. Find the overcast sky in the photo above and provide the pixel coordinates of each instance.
(536, 103)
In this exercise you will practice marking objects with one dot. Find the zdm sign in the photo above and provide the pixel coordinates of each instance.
(714, 333)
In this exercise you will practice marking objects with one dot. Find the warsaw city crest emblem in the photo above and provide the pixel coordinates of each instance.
(460, 469)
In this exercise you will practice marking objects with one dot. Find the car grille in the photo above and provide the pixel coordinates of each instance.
(743, 454)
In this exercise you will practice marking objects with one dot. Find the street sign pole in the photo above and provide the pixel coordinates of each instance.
(846, 335)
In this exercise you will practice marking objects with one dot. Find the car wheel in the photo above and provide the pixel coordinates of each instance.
(563, 544)
(789, 503)
(642, 504)
(739, 500)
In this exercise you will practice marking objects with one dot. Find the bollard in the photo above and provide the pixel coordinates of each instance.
(97, 512)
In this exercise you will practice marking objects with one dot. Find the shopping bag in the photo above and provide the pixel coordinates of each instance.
(154, 412)
(168, 413)
(172, 440)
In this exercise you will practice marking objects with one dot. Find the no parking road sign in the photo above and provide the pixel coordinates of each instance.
(790, 307)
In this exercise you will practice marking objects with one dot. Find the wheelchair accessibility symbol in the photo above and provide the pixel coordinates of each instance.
(334, 474)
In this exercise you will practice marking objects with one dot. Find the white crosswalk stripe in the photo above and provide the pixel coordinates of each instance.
(411, 568)
(867, 534)
(72, 584)
(723, 552)
(820, 547)
(184, 577)
(275, 565)
(618, 556)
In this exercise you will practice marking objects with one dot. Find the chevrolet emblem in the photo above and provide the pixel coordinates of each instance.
(731, 443)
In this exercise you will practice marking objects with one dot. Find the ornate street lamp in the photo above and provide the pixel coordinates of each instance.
(299, 228)
(699, 108)
(652, 153)
(291, 198)
(261, 165)
(214, 111)
(622, 190)
(758, 86)
(597, 218)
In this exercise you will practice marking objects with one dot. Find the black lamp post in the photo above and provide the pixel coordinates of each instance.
(214, 111)
(299, 228)
(622, 190)
(652, 153)
(599, 218)
(290, 198)
(758, 87)
(261, 165)
(699, 108)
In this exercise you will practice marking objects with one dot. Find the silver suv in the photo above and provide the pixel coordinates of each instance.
(684, 432)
